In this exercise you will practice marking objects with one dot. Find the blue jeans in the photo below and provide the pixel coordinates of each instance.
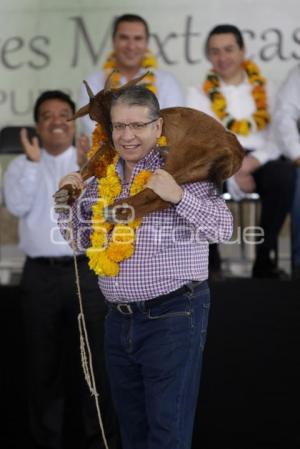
(154, 359)
(296, 222)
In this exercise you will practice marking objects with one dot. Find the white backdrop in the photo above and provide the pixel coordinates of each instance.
(55, 44)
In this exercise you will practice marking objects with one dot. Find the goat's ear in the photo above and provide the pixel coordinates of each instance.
(81, 112)
(134, 81)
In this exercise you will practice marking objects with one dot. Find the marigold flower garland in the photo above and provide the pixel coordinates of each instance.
(149, 62)
(101, 156)
(111, 244)
(259, 119)
(99, 137)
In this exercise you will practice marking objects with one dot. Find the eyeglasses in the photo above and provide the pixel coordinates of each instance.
(134, 126)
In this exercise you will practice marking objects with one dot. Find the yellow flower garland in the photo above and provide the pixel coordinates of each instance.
(261, 116)
(149, 62)
(111, 244)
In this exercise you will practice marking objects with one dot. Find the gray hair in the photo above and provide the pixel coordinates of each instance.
(137, 96)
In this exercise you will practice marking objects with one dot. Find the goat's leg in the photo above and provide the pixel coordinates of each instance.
(96, 166)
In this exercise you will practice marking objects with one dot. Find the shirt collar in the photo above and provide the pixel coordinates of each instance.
(244, 82)
(141, 71)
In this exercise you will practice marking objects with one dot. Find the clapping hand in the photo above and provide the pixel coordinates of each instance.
(31, 148)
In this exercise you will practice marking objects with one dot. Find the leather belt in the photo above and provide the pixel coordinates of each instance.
(128, 308)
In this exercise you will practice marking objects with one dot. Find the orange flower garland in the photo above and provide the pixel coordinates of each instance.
(101, 151)
(259, 119)
(98, 138)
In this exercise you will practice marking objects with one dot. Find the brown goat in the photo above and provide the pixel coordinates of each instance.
(199, 148)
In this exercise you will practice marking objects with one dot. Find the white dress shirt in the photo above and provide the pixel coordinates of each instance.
(286, 121)
(28, 190)
(169, 92)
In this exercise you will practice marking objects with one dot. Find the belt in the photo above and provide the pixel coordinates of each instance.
(128, 308)
(61, 261)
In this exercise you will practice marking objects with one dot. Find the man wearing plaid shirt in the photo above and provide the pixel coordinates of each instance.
(159, 301)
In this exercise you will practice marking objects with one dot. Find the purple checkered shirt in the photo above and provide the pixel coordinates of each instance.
(171, 245)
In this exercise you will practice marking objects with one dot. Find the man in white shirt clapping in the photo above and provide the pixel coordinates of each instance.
(48, 301)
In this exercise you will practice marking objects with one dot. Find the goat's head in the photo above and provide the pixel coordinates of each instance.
(99, 106)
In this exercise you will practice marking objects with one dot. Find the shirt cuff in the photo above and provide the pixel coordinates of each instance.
(293, 153)
(31, 168)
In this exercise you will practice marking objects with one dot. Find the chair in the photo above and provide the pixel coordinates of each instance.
(252, 203)
(247, 212)
(10, 139)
